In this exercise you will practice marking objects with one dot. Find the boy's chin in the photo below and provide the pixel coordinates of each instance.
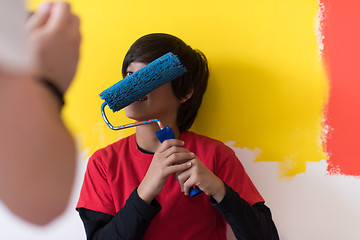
(135, 115)
(138, 118)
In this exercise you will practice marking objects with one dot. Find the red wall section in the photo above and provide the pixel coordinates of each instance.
(341, 30)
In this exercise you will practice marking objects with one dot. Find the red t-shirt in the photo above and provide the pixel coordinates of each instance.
(116, 170)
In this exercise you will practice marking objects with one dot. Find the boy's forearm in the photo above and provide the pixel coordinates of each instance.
(221, 191)
(131, 222)
(38, 153)
(247, 222)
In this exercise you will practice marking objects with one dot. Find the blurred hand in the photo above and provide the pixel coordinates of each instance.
(170, 158)
(54, 42)
(199, 175)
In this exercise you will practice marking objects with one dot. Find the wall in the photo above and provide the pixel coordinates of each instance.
(282, 94)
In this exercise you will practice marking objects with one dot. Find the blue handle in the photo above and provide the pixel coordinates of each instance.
(165, 134)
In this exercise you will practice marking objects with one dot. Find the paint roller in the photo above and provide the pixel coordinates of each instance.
(139, 84)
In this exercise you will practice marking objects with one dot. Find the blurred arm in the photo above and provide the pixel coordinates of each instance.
(38, 154)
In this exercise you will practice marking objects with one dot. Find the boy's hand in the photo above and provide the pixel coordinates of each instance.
(199, 175)
(170, 158)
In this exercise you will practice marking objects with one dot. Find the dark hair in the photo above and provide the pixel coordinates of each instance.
(150, 47)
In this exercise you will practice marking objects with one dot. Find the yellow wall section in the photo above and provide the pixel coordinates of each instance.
(267, 87)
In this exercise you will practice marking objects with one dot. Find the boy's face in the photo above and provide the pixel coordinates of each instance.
(161, 103)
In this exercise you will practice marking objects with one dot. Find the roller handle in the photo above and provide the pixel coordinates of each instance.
(165, 134)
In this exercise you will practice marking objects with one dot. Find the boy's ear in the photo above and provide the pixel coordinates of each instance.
(187, 96)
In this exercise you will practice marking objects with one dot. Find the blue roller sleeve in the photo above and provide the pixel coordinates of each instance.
(165, 134)
(137, 85)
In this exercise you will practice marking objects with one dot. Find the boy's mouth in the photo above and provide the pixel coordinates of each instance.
(143, 99)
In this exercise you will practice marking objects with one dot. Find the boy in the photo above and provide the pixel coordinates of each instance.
(136, 188)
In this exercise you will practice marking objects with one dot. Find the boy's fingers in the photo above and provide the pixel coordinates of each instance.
(188, 179)
(187, 185)
(173, 150)
(180, 157)
(169, 143)
(182, 177)
(179, 167)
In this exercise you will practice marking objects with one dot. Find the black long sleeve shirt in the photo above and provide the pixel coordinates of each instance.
(131, 222)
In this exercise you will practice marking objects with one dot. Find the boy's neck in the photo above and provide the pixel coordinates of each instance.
(147, 139)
